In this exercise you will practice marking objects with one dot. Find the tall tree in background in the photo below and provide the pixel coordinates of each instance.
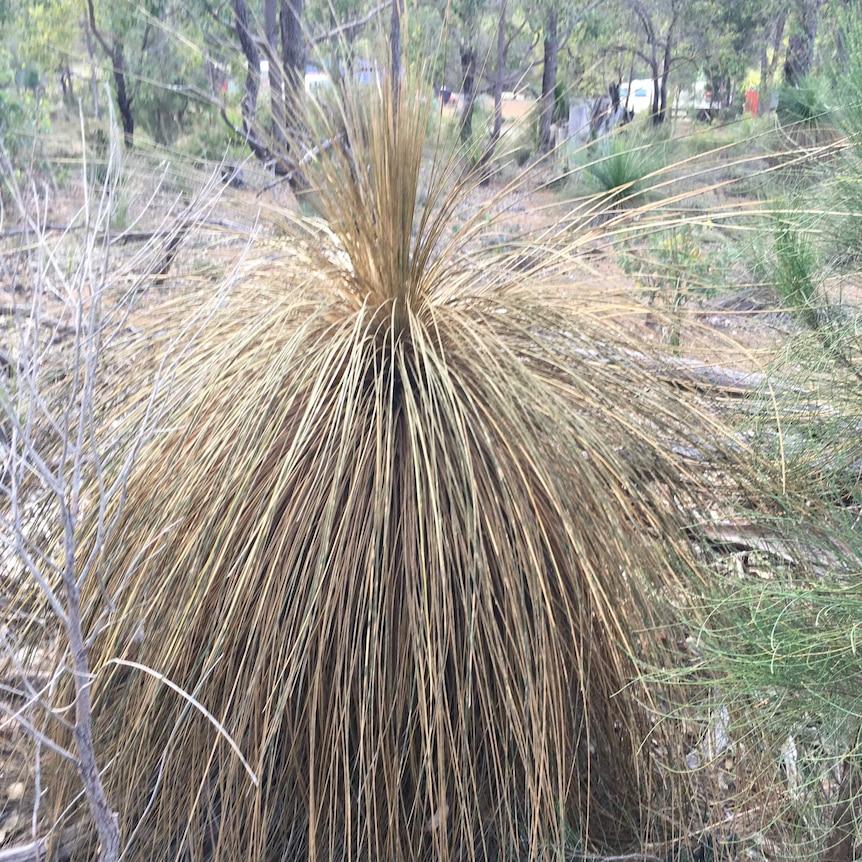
(468, 88)
(728, 38)
(45, 34)
(499, 81)
(288, 81)
(293, 49)
(659, 21)
(112, 40)
(276, 79)
(252, 73)
(549, 79)
(467, 14)
(768, 65)
(800, 45)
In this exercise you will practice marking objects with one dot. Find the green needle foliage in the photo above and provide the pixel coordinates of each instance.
(622, 170)
(408, 528)
(783, 656)
(797, 271)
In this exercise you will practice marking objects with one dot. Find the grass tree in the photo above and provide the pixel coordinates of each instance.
(410, 525)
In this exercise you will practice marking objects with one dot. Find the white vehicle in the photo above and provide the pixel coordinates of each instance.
(640, 98)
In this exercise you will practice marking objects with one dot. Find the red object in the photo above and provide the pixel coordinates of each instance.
(752, 98)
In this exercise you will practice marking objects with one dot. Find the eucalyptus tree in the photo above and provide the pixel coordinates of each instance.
(660, 23)
(801, 42)
(772, 39)
(284, 45)
(157, 68)
(467, 17)
(47, 35)
(728, 38)
(116, 28)
(560, 20)
(549, 78)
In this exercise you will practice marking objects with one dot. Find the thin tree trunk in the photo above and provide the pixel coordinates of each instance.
(104, 816)
(124, 101)
(395, 50)
(468, 69)
(118, 63)
(502, 51)
(276, 83)
(92, 55)
(659, 117)
(800, 47)
(293, 51)
(252, 63)
(549, 81)
(768, 67)
(656, 87)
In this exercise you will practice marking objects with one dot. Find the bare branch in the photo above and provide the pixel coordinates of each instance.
(65, 328)
(17, 717)
(350, 28)
(106, 46)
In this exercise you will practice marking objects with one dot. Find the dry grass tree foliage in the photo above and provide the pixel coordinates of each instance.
(404, 535)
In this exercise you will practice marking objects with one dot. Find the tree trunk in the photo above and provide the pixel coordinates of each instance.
(500, 72)
(118, 64)
(276, 81)
(293, 50)
(661, 95)
(395, 50)
(659, 118)
(252, 62)
(768, 67)
(800, 46)
(124, 101)
(468, 69)
(656, 86)
(549, 81)
(92, 55)
(502, 51)
(66, 85)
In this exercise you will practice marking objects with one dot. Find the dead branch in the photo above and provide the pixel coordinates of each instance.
(73, 420)
(350, 28)
(692, 373)
(120, 239)
(626, 857)
(263, 153)
(294, 178)
(744, 536)
(17, 231)
(36, 851)
(49, 323)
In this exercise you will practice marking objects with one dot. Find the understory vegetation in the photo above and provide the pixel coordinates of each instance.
(416, 505)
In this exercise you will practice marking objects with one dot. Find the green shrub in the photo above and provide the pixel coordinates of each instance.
(208, 138)
(797, 270)
(807, 111)
(620, 169)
